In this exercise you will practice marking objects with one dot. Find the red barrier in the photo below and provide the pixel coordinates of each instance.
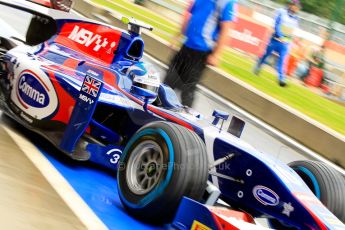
(315, 77)
(63, 5)
(46, 3)
(335, 46)
(242, 10)
(249, 37)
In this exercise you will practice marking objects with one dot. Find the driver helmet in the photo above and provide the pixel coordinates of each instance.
(144, 75)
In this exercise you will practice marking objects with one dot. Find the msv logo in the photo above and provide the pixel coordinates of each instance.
(88, 38)
(265, 195)
(32, 91)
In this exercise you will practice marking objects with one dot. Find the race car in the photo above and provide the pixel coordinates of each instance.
(82, 85)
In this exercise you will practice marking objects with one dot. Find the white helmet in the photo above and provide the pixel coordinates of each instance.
(145, 76)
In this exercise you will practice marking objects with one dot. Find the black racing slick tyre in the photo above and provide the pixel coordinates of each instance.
(276, 224)
(161, 163)
(327, 184)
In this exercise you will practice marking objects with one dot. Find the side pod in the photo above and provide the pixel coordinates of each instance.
(81, 116)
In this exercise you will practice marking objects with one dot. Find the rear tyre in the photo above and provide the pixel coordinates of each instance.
(276, 224)
(325, 182)
(161, 163)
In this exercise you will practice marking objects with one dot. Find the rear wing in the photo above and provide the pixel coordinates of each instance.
(63, 5)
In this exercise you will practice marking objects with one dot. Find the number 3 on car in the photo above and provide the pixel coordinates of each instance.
(115, 155)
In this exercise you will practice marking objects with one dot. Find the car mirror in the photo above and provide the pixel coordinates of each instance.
(40, 29)
(146, 94)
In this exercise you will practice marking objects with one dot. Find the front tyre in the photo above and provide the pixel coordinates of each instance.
(161, 163)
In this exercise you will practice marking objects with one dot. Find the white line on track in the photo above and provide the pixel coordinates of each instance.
(58, 182)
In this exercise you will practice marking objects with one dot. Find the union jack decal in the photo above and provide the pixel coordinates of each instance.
(91, 86)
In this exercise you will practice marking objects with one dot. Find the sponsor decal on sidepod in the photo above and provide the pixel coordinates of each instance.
(32, 91)
(265, 196)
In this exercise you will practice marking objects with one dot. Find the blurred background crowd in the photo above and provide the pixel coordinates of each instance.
(317, 55)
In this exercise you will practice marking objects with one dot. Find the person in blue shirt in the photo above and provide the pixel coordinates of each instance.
(286, 22)
(206, 25)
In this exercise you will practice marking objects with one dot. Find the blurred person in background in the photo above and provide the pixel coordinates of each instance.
(139, 2)
(206, 25)
(286, 22)
(297, 54)
(316, 62)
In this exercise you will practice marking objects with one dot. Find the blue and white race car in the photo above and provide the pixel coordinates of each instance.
(82, 85)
